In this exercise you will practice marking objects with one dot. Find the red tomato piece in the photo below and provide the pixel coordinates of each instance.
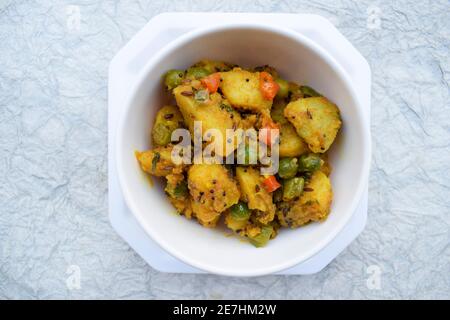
(211, 82)
(271, 184)
(268, 86)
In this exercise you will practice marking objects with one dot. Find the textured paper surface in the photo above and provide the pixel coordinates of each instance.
(54, 227)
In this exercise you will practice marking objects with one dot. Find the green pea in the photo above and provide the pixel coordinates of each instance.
(173, 78)
(309, 92)
(309, 163)
(161, 134)
(288, 168)
(196, 73)
(262, 238)
(277, 112)
(240, 211)
(284, 88)
(234, 224)
(295, 92)
(293, 188)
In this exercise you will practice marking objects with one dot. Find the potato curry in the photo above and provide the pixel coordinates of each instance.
(225, 96)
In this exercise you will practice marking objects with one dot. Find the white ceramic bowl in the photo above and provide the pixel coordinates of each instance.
(296, 58)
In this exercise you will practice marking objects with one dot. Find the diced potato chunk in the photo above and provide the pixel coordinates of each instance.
(183, 206)
(291, 145)
(253, 192)
(158, 162)
(205, 216)
(313, 205)
(241, 89)
(316, 120)
(213, 191)
(215, 113)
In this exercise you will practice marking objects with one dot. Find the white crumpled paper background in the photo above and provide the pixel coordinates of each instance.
(53, 144)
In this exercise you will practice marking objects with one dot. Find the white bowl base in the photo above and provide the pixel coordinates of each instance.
(160, 30)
